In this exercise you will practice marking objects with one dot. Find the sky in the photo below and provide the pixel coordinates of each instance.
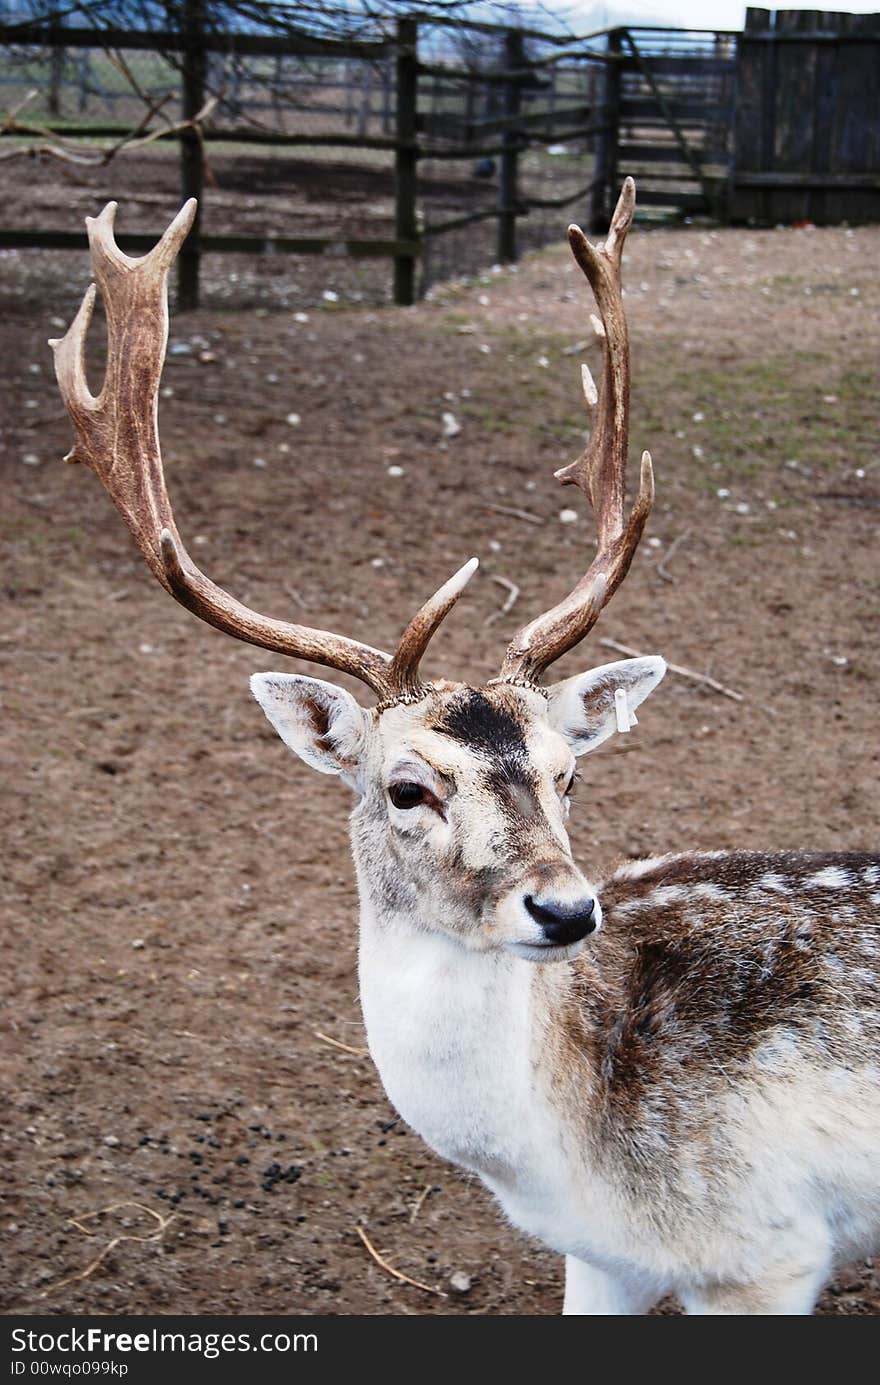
(697, 14)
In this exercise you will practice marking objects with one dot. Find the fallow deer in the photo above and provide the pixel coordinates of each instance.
(670, 1077)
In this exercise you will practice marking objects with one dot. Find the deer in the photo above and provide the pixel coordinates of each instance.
(669, 1076)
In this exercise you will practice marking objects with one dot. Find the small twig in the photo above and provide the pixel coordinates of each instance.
(517, 514)
(62, 149)
(162, 1225)
(161, 1222)
(427, 1288)
(57, 152)
(578, 346)
(28, 97)
(89, 1269)
(115, 58)
(295, 596)
(153, 109)
(346, 1048)
(682, 672)
(510, 600)
(670, 554)
(193, 124)
(419, 1203)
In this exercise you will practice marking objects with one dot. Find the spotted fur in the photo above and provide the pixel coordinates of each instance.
(689, 1102)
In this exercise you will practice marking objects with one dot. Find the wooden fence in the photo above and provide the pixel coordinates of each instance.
(410, 135)
(807, 140)
(781, 122)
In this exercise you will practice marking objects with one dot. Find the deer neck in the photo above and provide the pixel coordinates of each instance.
(464, 1041)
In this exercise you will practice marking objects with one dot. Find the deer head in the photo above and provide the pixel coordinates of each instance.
(462, 791)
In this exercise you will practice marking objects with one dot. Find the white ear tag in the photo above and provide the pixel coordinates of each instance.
(626, 719)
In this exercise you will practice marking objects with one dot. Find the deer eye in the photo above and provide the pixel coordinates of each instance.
(408, 795)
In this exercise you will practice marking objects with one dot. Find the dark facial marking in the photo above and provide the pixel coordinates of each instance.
(494, 733)
(488, 729)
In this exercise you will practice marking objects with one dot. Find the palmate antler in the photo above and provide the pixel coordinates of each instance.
(600, 471)
(117, 436)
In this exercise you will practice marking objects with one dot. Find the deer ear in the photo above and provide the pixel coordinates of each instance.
(583, 709)
(321, 723)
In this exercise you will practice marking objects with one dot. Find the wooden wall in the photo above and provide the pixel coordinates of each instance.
(807, 121)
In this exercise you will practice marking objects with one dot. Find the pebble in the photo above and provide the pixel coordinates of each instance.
(460, 1283)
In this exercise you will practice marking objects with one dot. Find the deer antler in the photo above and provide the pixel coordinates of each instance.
(117, 436)
(600, 471)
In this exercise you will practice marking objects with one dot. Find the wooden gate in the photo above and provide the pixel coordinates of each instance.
(675, 106)
(807, 123)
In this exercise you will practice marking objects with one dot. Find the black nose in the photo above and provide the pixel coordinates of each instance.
(563, 923)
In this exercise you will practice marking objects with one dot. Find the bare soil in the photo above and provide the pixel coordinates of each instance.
(192, 1124)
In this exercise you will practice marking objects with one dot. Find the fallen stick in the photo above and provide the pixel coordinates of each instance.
(510, 600)
(517, 514)
(677, 668)
(389, 1269)
(151, 1239)
(419, 1203)
(671, 552)
(336, 1043)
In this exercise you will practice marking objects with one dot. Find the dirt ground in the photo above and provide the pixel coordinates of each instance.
(192, 1124)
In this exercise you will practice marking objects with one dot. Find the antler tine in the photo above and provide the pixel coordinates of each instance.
(117, 437)
(414, 640)
(117, 432)
(600, 471)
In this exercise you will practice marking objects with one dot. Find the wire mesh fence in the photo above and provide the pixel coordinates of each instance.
(443, 146)
(509, 128)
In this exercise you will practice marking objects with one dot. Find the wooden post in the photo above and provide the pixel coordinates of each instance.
(192, 164)
(514, 59)
(604, 192)
(85, 60)
(56, 67)
(349, 92)
(386, 97)
(233, 101)
(406, 158)
(366, 106)
(276, 91)
(470, 98)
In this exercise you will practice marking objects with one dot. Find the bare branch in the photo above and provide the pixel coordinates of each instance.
(510, 600)
(688, 673)
(389, 1269)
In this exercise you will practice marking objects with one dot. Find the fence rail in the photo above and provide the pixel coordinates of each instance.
(517, 124)
(433, 111)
